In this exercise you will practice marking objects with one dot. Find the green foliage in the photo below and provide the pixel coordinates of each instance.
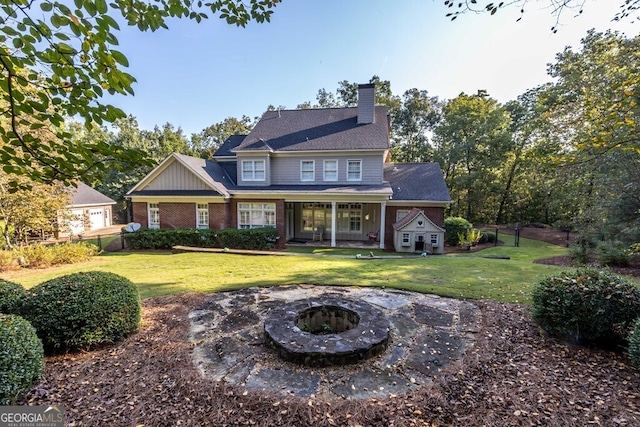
(11, 296)
(613, 253)
(453, 227)
(587, 306)
(83, 310)
(21, 357)
(254, 238)
(167, 238)
(470, 237)
(487, 237)
(41, 256)
(634, 344)
(58, 60)
(580, 250)
(8, 261)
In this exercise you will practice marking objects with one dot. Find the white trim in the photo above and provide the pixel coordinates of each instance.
(253, 170)
(324, 169)
(156, 208)
(200, 210)
(359, 161)
(313, 170)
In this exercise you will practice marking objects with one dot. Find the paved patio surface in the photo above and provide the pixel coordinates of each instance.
(427, 333)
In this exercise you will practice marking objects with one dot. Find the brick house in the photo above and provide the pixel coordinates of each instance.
(314, 174)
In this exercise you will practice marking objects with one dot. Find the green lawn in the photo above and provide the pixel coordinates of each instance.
(460, 275)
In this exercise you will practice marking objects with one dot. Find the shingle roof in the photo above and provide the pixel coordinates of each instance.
(229, 144)
(413, 213)
(416, 181)
(208, 170)
(84, 195)
(317, 130)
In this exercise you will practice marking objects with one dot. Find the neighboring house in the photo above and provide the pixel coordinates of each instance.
(317, 174)
(89, 209)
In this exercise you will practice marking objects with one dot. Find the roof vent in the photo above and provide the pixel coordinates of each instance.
(366, 103)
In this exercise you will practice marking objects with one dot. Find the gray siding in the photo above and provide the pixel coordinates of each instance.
(176, 177)
(286, 170)
(267, 171)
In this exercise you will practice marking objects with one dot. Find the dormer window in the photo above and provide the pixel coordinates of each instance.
(253, 170)
(354, 170)
(307, 170)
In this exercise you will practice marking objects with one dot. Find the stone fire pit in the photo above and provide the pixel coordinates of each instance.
(327, 331)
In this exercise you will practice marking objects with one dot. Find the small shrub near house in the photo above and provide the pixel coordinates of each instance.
(634, 344)
(256, 238)
(168, 238)
(83, 310)
(455, 227)
(11, 297)
(613, 253)
(21, 357)
(586, 306)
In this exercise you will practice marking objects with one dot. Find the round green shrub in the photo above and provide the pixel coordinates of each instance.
(83, 310)
(454, 227)
(21, 357)
(587, 306)
(634, 344)
(11, 297)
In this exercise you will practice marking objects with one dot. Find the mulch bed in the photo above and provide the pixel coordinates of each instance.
(515, 376)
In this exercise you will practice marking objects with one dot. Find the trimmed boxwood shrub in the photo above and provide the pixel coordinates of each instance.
(11, 296)
(634, 344)
(21, 357)
(168, 238)
(83, 310)
(249, 238)
(455, 227)
(586, 306)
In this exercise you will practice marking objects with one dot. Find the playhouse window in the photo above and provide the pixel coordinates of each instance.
(406, 239)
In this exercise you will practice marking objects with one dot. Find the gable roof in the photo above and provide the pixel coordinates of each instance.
(209, 172)
(413, 214)
(84, 195)
(317, 129)
(403, 178)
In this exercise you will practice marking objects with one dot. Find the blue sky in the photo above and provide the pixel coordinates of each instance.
(194, 75)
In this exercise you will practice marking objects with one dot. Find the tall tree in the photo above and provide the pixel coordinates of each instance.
(558, 8)
(56, 61)
(412, 124)
(472, 141)
(206, 142)
(36, 207)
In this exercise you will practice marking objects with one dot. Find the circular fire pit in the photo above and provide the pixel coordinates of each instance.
(326, 331)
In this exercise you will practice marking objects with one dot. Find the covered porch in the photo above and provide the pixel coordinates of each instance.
(336, 223)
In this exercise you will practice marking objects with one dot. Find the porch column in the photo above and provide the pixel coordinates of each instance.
(333, 224)
(383, 215)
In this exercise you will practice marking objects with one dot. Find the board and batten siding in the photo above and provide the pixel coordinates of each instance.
(286, 170)
(177, 177)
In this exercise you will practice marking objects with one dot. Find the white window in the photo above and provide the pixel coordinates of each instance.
(401, 213)
(315, 215)
(307, 170)
(202, 216)
(253, 170)
(256, 215)
(330, 170)
(434, 240)
(154, 215)
(354, 170)
(349, 218)
(406, 239)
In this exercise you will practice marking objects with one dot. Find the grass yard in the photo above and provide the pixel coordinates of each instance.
(456, 275)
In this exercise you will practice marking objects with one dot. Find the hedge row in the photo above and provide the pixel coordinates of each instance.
(40, 256)
(256, 239)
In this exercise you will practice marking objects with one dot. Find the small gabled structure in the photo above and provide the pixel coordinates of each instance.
(415, 232)
(89, 210)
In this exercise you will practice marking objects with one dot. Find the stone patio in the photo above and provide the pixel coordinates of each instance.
(426, 333)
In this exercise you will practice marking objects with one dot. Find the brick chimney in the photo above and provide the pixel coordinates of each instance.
(366, 103)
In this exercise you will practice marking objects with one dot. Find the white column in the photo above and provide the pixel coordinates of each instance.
(383, 214)
(333, 224)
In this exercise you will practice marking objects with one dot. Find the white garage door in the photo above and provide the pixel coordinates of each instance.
(96, 218)
(76, 222)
